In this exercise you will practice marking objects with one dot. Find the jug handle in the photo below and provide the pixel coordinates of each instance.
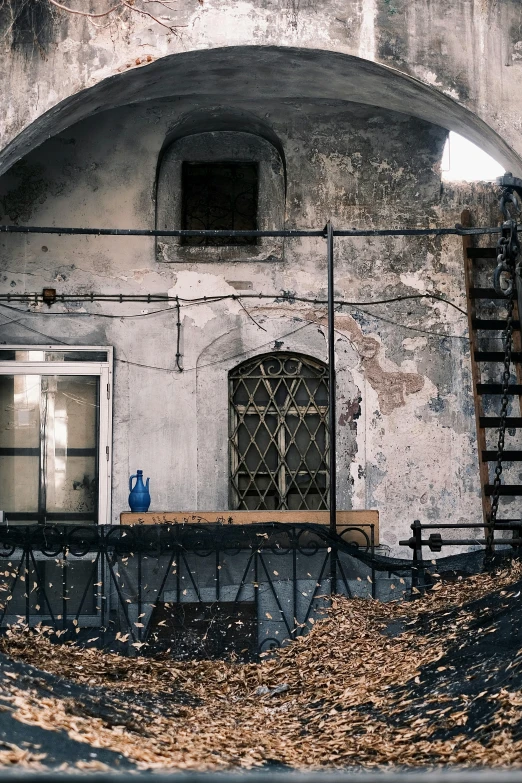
(130, 481)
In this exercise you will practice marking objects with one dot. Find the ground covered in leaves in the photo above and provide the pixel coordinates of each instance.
(437, 681)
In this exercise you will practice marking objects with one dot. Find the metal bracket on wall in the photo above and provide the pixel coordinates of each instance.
(510, 182)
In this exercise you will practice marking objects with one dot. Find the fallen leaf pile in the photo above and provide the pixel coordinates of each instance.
(437, 681)
(12, 755)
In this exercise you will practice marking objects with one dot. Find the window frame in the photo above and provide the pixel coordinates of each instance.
(104, 371)
(279, 438)
(220, 147)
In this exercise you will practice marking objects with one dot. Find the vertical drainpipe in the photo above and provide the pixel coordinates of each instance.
(331, 403)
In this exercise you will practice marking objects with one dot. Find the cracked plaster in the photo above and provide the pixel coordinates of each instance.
(399, 450)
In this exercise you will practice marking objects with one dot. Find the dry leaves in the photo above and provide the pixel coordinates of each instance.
(11, 755)
(347, 694)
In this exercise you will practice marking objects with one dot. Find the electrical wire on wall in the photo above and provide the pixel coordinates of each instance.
(36, 299)
(456, 230)
(50, 296)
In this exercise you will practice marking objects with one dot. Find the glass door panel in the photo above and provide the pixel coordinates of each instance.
(20, 397)
(49, 446)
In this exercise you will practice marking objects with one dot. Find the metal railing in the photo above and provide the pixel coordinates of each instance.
(151, 586)
(435, 542)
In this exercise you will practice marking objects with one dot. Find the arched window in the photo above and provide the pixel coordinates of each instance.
(279, 433)
(220, 180)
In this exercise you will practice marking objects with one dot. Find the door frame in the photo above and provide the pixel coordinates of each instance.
(101, 369)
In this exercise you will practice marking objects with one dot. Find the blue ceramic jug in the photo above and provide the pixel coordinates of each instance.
(139, 498)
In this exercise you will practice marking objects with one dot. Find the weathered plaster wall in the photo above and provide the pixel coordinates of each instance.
(458, 59)
(406, 427)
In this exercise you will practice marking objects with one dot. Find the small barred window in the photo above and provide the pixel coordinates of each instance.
(219, 196)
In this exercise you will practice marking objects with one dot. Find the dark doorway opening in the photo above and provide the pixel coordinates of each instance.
(204, 629)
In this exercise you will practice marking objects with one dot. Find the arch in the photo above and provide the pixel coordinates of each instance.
(240, 72)
(215, 119)
(234, 147)
(226, 351)
(278, 435)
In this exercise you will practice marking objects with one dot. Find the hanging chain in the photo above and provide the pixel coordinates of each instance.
(504, 281)
(507, 338)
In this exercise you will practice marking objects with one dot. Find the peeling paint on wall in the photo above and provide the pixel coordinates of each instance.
(405, 410)
(391, 386)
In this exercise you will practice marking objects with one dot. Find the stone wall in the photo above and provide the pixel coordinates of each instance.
(454, 63)
(405, 409)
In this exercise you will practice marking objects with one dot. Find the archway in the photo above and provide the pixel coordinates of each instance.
(232, 72)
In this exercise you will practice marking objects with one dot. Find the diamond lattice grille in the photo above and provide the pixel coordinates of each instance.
(279, 433)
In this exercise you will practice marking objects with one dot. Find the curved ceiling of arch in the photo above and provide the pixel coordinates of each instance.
(266, 72)
(219, 118)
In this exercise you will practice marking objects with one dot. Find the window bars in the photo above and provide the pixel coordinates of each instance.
(219, 196)
(279, 433)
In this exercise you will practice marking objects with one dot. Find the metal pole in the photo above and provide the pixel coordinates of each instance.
(230, 232)
(331, 400)
(417, 571)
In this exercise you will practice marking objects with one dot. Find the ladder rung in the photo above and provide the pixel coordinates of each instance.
(514, 389)
(485, 293)
(482, 252)
(504, 489)
(512, 422)
(496, 356)
(509, 456)
(496, 324)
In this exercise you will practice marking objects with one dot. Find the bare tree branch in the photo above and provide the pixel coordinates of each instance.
(86, 13)
(122, 4)
(141, 11)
